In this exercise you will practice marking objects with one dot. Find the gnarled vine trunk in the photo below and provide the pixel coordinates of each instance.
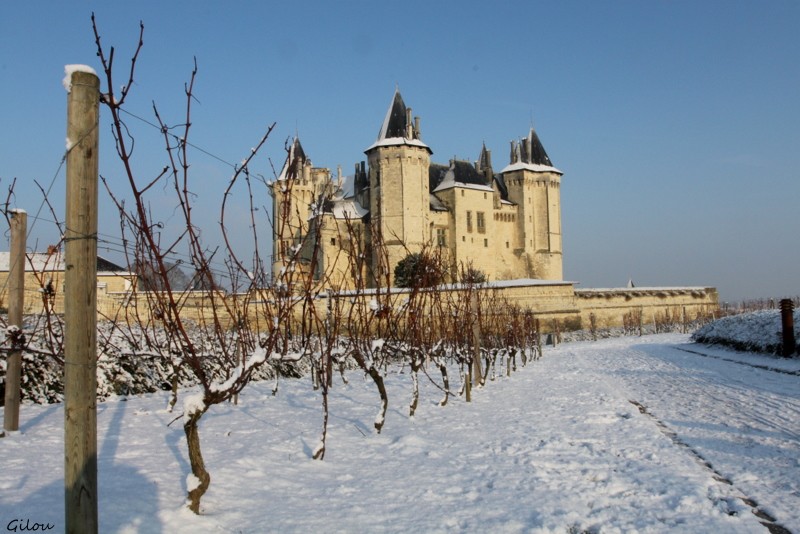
(196, 462)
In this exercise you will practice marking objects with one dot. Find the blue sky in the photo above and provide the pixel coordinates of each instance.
(677, 124)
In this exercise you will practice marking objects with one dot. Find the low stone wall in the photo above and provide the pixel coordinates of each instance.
(558, 305)
(645, 305)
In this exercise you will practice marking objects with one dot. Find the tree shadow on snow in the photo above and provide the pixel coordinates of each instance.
(128, 500)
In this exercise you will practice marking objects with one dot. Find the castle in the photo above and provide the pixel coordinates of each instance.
(505, 225)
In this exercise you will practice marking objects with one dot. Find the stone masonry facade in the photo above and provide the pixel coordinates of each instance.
(505, 224)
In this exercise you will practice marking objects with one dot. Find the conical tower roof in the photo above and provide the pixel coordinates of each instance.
(395, 124)
(534, 151)
(296, 154)
(529, 154)
(398, 128)
(484, 159)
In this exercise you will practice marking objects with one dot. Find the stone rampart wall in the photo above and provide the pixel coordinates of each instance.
(614, 307)
(558, 305)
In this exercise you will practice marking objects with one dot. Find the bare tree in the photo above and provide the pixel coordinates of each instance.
(225, 344)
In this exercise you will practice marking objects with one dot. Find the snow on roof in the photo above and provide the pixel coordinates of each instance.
(348, 209)
(398, 141)
(519, 166)
(346, 188)
(37, 261)
(450, 184)
(44, 262)
(449, 181)
(524, 282)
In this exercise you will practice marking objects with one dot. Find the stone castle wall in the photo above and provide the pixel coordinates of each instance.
(557, 305)
(609, 307)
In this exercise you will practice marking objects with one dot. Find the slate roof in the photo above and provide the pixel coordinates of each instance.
(530, 154)
(458, 174)
(501, 185)
(296, 153)
(436, 204)
(533, 151)
(395, 128)
(436, 173)
(395, 124)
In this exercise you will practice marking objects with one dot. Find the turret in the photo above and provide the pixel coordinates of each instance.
(534, 184)
(399, 188)
(297, 190)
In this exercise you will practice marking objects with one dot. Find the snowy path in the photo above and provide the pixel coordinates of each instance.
(558, 447)
(743, 420)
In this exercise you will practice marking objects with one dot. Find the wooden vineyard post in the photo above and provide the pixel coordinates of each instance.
(477, 372)
(16, 301)
(80, 307)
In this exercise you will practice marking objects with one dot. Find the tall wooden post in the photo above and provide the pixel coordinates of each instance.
(789, 344)
(477, 373)
(80, 306)
(16, 301)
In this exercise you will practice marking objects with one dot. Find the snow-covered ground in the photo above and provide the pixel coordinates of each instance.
(619, 435)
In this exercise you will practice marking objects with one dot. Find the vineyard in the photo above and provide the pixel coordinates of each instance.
(259, 325)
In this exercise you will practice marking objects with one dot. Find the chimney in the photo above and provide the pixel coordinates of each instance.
(513, 158)
(409, 125)
(417, 133)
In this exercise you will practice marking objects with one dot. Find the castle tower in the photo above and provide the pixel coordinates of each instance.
(535, 186)
(399, 189)
(298, 187)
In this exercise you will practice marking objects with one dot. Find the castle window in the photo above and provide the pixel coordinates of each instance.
(469, 221)
(462, 192)
(485, 242)
(481, 223)
(441, 237)
(463, 238)
(333, 241)
(484, 196)
(506, 244)
(287, 207)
